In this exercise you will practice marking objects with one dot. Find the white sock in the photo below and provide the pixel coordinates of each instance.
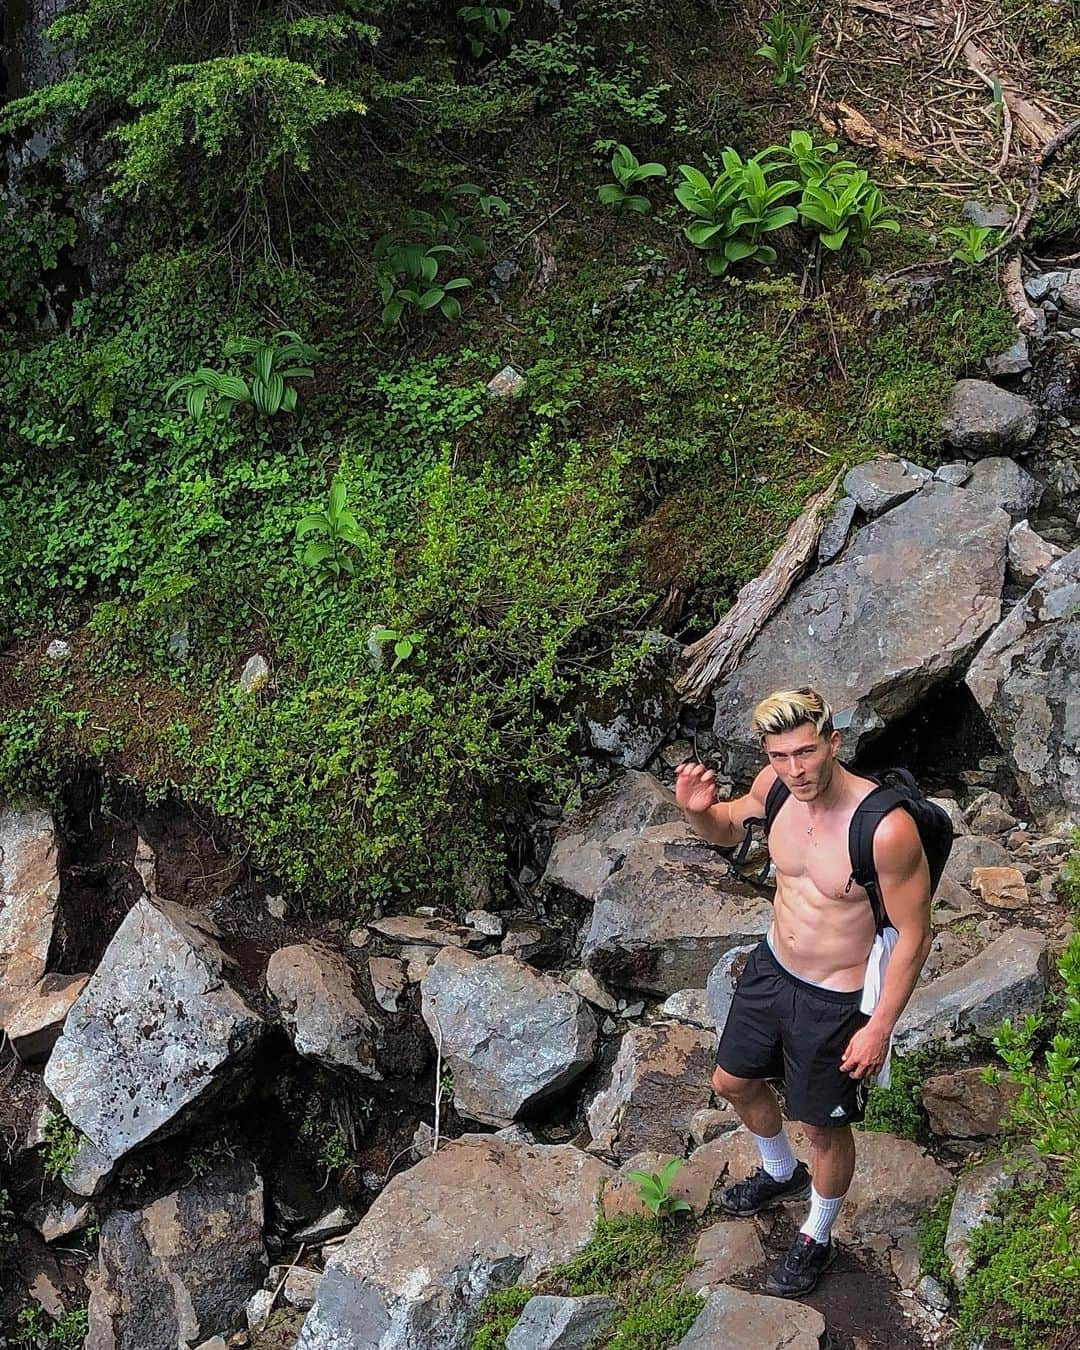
(822, 1214)
(776, 1155)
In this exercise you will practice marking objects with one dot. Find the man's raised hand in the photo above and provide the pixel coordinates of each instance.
(695, 788)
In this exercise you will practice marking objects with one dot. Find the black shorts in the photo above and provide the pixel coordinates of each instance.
(782, 1027)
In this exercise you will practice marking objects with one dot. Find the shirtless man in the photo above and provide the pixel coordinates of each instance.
(795, 1013)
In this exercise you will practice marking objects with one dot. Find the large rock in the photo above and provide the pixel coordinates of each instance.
(511, 1035)
(1029, 554)
(728, 1250)
(158, 1031)
(735, 1320)
(972, 852)
(1026, 678)
(961, 1105)
(902, 611)
(880, 484)
(1006, 484)
(630, 722)
(315, 990)
(172, 1274)
(1007, 979)
(982, 419)
(29, 891)
(552, 1323)
(589, 843)
(660, 1079)
(663, 919)
(34, 1027)
(480, 1214)
(720, 987)
(979, 1194)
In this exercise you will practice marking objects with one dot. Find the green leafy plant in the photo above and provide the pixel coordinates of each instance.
(844, 209)
(266, 390)
(654, 1190)
(628, 173)
(788, 47)
(61, 1145)
(810, 159)
(408, 279)
(338, 534)
(484, 26)
(405, 644)
(36, 1331)
(973, 243)
(736, 209)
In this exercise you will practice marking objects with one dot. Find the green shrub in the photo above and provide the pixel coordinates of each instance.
(498, 1313)
(788, 47)
(265, 390)
(898, 1108)
(628, 173)
(61, 1146)
(932, 1229)
(654, 1190)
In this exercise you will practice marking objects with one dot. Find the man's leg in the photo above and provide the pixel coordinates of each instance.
(813, 1250)
(784, 1178)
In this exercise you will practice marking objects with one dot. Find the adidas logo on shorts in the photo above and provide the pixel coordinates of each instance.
(837, 1113)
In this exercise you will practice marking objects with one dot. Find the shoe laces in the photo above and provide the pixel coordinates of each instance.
(800, 1252)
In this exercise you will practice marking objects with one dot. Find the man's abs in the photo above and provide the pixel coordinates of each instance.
(821, 939)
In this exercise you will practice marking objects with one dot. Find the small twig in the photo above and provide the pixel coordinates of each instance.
(281, 1283)
(438, 1077)
(552, 216)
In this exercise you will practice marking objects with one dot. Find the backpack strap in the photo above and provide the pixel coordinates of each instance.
(778, 795)
(869, 813)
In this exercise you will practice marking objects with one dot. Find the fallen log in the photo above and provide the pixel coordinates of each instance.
(708, 660)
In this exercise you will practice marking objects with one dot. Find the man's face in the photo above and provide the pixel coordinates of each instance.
(803, 760)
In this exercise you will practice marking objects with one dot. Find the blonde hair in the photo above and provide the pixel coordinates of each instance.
(787, 709)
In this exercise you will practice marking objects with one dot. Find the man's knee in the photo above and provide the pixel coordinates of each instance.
(825, 1138)
(734, 1089)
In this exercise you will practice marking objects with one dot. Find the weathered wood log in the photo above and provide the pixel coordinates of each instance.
(717, 654)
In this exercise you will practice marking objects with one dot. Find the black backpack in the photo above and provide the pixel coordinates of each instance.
(895, 787)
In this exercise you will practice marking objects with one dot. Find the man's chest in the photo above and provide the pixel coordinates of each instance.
(815, 853)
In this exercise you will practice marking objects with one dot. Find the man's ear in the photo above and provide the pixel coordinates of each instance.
(835, 743)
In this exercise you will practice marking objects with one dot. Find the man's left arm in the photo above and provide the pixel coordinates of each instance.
(904, 883)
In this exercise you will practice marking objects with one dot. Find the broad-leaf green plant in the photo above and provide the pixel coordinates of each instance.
(408, 278)
(406, 645)
(788, 47)
(331, 534)
(484, 25)
(736, 209)
(267, 388)
(844, 209)
(973, 243)
(810, 159)
(628, 172)
(654, 1190)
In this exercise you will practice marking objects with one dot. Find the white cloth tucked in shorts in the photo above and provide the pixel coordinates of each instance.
(876, 965)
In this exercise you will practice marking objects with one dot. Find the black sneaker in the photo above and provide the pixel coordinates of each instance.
(801, 1269)
(760, 1191)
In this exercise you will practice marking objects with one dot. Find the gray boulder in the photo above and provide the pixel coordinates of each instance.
(592, 841)
(663, 919)
(690, 1006)
(1013, 360)
(552, 1323)
(835, 533)
(979, 1194)
(739, 1321)
(29, 891)
(1029, 554)
(972, 851)
(880, 484)
(157, 1032)
(960, 1105)
(1007, 979)
(1007, 485)
(511, 1035)
(183, 1267)
(315, 990)
(1026, 679)
(912, 597)
(982, 419)
(659, 1081)
(629, 723)
(480, 1214)
(720, 988)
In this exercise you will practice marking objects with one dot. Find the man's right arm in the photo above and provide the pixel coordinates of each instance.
(722, 823)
